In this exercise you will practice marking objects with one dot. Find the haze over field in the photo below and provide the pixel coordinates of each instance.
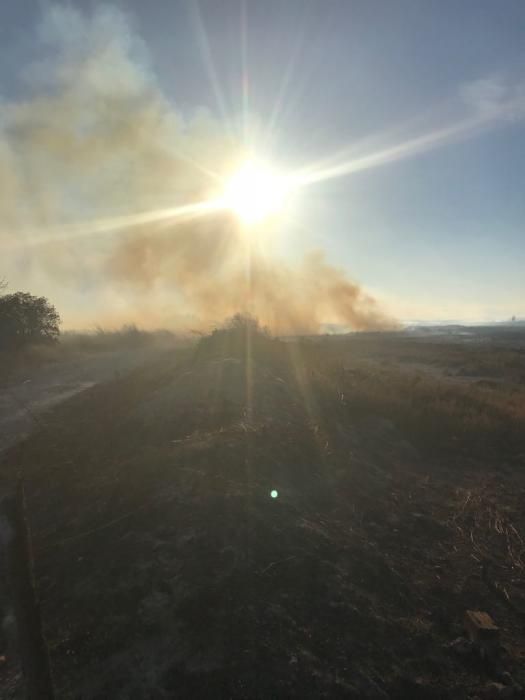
(116, 195)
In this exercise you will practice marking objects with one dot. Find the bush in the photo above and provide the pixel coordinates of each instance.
(242, 337)
(26, 319)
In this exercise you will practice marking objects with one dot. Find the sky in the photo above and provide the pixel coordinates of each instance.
(434, 232)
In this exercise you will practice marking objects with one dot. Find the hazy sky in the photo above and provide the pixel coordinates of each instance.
(440, 234)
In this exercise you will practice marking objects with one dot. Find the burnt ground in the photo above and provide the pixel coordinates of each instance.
(28, 390)
(166, 569)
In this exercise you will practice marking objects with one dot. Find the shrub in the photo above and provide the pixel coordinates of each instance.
(241, 337)
(26, 319)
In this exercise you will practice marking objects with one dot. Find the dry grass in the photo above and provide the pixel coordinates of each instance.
(438, 414)
(74, 345)
(127, 337)
(437, 409)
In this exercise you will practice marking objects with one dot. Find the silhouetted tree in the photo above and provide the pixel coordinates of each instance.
(26, 319)
(245, 323)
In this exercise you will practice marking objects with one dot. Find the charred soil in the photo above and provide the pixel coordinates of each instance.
(278, 520)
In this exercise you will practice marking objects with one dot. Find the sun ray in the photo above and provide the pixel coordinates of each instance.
(245, 85)
(463, 129)
(204, 46)
(76, 230)
(208, 172)
(289, 76)
(257, 192)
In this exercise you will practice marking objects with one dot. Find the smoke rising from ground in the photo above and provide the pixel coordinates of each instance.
(95, 137)
(210, 266)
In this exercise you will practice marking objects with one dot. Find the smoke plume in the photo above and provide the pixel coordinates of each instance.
(94, 139)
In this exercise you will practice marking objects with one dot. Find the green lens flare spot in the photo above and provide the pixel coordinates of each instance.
(274, 493)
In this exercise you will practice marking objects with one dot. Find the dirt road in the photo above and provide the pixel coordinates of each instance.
(24, 401)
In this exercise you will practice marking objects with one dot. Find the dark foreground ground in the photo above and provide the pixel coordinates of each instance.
(167, 570)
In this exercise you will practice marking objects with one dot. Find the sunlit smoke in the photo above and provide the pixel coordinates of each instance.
(122, 210)
(113, 204)
(203, 263)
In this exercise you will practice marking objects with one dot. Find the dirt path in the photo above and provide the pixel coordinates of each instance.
(23, 402)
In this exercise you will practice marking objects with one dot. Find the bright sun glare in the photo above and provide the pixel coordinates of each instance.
(256, 192)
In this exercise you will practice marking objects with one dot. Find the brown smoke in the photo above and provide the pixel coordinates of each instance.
(96, 138)
(210, 264)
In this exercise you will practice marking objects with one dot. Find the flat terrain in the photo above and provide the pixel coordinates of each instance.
(166, 568)
(27, 392)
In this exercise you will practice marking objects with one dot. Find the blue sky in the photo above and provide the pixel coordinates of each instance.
(437, 235)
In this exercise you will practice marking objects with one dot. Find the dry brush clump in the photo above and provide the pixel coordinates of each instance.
(127, 337)
(241, 337)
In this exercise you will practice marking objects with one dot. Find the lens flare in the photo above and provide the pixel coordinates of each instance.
(256, 192)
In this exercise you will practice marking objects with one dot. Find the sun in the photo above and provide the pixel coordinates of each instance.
(256, 192)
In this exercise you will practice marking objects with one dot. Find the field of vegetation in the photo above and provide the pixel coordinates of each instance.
(261, 518)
